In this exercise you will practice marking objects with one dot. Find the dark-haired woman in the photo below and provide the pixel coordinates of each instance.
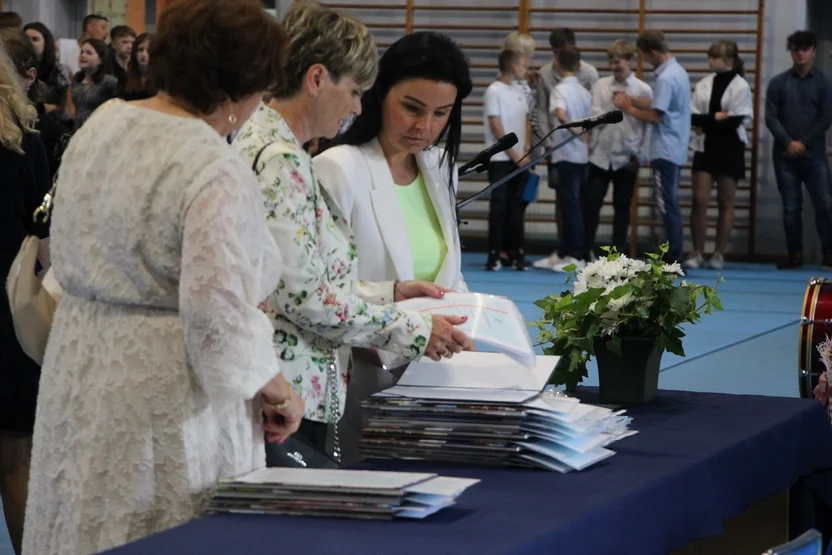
(53, 74)
(53, 133)
(92, 86)
(137, 83)
(721, 107)
(396, 185)
(321, 308)
(160, 364)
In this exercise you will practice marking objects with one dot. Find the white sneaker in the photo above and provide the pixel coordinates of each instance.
(568, 261)
(717, 261)
(547, 263)
(695, 260)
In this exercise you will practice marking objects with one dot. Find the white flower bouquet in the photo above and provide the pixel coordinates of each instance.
(617, 298)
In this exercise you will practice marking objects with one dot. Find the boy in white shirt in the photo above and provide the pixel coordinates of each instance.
(505, 110)
(617, 151)
(569, 102)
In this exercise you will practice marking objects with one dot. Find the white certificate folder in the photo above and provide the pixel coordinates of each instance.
(486, 408)
(492, 320)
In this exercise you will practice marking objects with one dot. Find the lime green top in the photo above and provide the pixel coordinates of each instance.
(427, 243)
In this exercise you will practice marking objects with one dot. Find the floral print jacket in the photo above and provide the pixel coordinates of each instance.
(319, 309)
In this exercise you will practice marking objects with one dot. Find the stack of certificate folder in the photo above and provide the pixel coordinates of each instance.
(486, 409)
(363, 494)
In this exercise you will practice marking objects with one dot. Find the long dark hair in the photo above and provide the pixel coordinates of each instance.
(135, 81)
(103, 52)
(420, 55)
(48, 64)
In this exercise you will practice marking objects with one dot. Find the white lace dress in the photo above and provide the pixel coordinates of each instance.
(158, 347)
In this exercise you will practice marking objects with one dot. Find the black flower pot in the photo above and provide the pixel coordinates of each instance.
(632, 377)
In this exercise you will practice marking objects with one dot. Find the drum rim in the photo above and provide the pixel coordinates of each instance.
(807, 332)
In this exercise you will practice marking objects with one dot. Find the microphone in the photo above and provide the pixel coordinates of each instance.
(610, 117)
(481, 159)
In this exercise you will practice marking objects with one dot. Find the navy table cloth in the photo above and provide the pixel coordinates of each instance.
(698, 459)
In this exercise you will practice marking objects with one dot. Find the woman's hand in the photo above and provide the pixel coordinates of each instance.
(283, 409)
(445, 339)
(719, 116)
(413, 289)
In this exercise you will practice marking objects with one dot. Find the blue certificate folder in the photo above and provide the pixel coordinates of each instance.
(530, 191)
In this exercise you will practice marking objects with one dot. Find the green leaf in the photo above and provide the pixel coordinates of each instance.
(620, 291)
(571, 268)
(717, 304)
(563, 302)
(673, 344)
(680, 300)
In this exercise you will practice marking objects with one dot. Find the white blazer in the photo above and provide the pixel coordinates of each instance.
(360, 182)
(736, 101)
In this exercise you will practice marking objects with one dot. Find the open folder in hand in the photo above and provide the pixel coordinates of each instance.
(492, 320)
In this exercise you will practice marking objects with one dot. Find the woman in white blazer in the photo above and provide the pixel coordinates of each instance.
(387, 172)
(397, 187)
(721, 107)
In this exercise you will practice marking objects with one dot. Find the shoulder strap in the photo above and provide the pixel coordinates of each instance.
(257, 158)
(44, 211)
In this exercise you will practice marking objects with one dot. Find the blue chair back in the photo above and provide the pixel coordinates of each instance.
(810, 543)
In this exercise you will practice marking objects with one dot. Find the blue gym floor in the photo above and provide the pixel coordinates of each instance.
(750, 348)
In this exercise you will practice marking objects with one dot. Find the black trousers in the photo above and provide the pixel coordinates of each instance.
(506, 208)
(595, 190)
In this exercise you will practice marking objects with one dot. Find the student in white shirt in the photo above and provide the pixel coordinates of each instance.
(721, 106)
(616, 151)
(570, 101)
(526, 45)
(543, 82)
(506, 110)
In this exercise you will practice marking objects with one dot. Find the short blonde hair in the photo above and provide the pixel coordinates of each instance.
(17, 114)
(622, 49)
(321, 35)
(520, 42)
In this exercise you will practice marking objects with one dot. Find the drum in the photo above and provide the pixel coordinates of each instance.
(815, 325)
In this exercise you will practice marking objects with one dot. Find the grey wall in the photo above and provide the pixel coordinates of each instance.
(63, 17)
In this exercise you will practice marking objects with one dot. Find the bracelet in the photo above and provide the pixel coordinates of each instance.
(282, 404)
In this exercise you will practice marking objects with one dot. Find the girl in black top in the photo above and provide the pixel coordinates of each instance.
(53, 74)
(137, 85)
(92, 86)
(721, 106)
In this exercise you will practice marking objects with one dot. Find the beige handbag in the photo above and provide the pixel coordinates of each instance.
(32, 306)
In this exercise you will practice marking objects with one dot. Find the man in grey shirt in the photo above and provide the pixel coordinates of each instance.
(544, 82)
(798, 115)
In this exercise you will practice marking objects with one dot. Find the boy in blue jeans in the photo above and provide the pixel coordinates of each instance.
(669, 112)
(570, 101)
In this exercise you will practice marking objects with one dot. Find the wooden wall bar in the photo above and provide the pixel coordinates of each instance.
(479, 29)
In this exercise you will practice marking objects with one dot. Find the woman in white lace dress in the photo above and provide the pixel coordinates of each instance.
(160, 364)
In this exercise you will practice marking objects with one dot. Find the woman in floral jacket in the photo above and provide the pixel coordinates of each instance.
(320, 309)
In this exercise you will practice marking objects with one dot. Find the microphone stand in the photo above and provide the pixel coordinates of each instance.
(523, 168)
(476, 169)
